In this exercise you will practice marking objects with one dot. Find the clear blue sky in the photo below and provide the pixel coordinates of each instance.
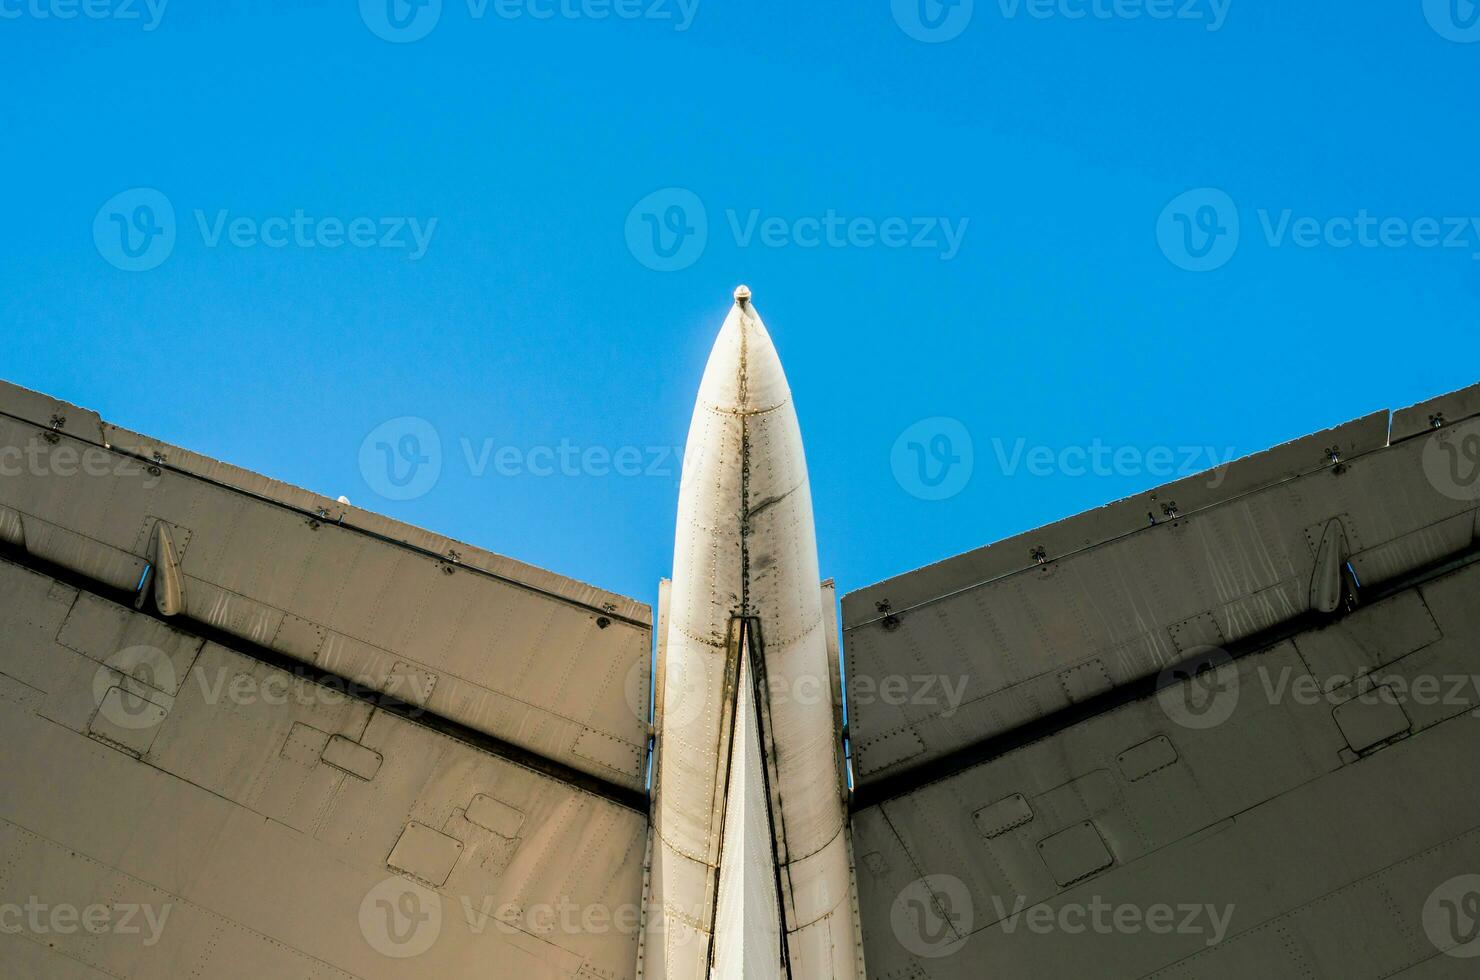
(1066, 317)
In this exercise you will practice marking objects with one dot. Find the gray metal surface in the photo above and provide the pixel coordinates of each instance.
(1042, 621)
(215, 816)
(247, 731)
(556, 667)
(1306, 835)
(1295, 798)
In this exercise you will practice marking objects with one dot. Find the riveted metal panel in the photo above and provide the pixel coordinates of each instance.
(1152, 755)
(1025, 639)
(1075, 853)
(1370, 718)
(1298, 829)
(1002, 816)
(257, 855)
(1426, 416)
(499, 817)
(425, 853)
(517, 652)
(49, 413)
(352, 757)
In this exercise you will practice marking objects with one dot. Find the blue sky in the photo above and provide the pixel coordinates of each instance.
(1014, 250)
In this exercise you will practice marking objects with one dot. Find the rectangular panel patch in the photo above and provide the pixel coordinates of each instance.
(127, 720)
(411, 683)
(1002, 816)
(352, 757)
(111, 634)
(611, 752)
(1370, 637)
(1140, 761)
(304, 744)
(1083, 681)
(1198, 631)
(424, 853)
(491, 814)
(1075, 854)
(1372, 717)
(299, 638)
(889, 750)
